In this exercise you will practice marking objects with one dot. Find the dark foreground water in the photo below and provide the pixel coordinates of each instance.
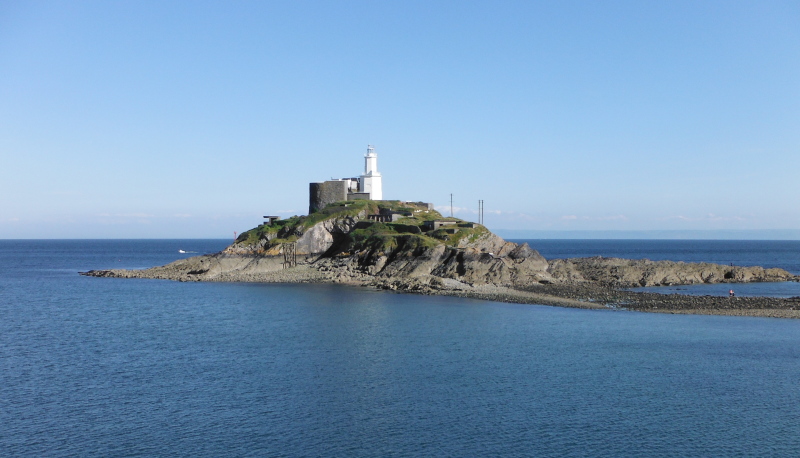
(113, 367)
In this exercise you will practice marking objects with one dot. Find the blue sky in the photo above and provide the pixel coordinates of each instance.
(193, 119)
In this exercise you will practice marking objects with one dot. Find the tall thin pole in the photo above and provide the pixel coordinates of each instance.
(451, 205)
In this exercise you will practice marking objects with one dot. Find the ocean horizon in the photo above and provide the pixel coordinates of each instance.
(528, 234)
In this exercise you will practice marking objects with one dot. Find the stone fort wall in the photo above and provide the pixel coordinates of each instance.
(321, 195)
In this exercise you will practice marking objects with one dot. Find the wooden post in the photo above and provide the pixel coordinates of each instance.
(289, 255)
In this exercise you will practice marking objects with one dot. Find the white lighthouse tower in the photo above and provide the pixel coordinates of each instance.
(371, 179)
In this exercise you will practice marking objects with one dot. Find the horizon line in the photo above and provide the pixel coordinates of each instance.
(546, 234)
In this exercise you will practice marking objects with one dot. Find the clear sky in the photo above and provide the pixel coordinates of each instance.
(193, 119)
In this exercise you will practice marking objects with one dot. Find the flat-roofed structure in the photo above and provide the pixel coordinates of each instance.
(368, 186)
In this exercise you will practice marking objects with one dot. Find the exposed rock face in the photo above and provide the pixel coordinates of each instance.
(484, 260)
(343, 247)
(321, 237)
(627, 273)
(314, 241)
(510, 265)
(340, 244)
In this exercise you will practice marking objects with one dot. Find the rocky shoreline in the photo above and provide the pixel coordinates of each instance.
(588, 295)
(346, 244)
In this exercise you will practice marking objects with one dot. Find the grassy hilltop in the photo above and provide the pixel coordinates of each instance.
(356, 232)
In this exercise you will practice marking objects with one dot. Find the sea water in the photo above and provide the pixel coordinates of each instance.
(111, 367)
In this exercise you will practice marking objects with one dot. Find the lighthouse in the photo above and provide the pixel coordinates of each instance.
(370, 181)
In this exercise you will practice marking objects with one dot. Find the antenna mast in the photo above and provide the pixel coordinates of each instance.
(451, 204)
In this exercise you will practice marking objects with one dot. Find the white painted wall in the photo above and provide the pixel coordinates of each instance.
(371, 180)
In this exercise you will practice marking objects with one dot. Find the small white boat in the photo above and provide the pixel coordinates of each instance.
(181, 251)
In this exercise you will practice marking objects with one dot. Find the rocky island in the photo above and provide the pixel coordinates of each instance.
(409, 247)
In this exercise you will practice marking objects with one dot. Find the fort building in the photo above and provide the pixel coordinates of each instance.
(367, 186)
